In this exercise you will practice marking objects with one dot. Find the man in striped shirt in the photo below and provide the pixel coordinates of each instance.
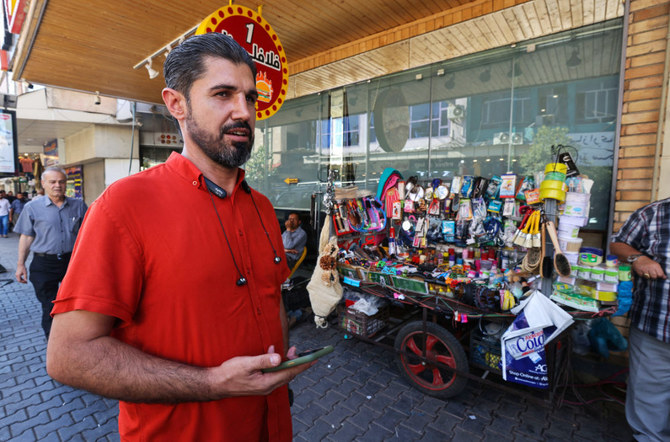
(644, 242)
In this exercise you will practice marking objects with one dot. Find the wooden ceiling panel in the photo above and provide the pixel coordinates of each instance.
(93, 45)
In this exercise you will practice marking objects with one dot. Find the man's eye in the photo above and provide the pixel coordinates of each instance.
(251, 99)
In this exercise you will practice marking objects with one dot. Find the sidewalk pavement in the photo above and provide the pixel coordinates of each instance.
(355, 393)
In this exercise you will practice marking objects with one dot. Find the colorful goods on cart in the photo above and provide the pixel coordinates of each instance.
(469, 247)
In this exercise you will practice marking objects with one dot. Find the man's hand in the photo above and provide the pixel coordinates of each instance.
(21, 273)
(242, 376)
(648, 268)
(290, 251)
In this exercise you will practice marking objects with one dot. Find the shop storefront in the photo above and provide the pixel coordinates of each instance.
(483, 115)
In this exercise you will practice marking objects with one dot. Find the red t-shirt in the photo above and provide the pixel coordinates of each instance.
(151, 253)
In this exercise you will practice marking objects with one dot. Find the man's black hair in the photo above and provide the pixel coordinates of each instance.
(185, 63)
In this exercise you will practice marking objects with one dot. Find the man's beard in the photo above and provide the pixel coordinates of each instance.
(229, 155)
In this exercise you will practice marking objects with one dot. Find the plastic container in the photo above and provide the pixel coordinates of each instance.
(579, 221)
(590, 256)
(573, 257)
(553, 194)
(605, 296)
(611, 275)
(624, 272)
(611, 261)
(556, 167)
(553, 185)
(584, 272)
(557, 176)
(598, 274)
(576, 204)
(567, 230)
(570, 245)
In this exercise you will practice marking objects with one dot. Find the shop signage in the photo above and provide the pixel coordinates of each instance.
(50, 157)
(15, 11)
(255, 35)
(8, 142)
(291, 180)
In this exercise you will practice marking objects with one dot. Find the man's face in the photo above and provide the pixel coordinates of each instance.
(2, 194)
(54, 184)
(293, 221)
(21, 196)
(221, 114)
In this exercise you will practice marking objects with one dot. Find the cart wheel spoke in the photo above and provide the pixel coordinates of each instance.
(437, 377)
(411, 344)
(430, 342)
(416, 368)
(446, 360)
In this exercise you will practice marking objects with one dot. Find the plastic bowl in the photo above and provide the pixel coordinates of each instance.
(554, 185)
(558, 195)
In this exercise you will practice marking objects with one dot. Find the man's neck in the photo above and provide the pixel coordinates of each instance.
(57, 200)
(223, 177)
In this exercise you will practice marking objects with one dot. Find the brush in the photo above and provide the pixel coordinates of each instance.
(561, 263)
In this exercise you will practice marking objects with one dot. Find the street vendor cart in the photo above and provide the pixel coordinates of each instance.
(470, 273)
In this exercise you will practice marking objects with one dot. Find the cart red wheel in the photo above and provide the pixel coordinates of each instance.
(440, 346)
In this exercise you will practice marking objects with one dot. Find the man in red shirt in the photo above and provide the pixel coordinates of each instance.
(173, 315)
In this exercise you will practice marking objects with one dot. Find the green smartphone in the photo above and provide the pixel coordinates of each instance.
(303, 358)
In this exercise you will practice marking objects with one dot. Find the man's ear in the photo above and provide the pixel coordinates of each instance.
(175, 103)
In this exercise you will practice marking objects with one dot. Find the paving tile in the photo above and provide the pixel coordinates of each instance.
(319, 430)
(530, 427)
(432, 435)
(492, 436)
(310, 414)
(346, 433)
(363, 418)
(418, 421)
(461, 435)
(19, 427)
(354, 401)
(375, 434)
(49, 430)
(337, 415)
(19, 415)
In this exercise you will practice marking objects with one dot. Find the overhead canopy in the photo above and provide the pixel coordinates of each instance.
(93, 45)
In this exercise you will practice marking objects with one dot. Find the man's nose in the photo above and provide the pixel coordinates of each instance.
(242, 109)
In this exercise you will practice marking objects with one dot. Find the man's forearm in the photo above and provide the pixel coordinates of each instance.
(81, 353)
(24, 248)
(110, 368)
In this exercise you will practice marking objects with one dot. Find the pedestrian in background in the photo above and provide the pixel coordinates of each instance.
(4, 214)
(16, 207)
(644, 242)
(48, 227)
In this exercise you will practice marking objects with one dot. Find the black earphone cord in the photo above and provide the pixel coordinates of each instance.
(242, 280)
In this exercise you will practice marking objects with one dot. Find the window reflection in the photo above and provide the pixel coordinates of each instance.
(485, 114)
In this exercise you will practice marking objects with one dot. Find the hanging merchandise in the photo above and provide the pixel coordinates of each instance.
(469, 248)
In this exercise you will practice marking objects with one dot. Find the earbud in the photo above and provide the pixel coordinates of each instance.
(215, 188)
(277, 260)
(242, 281)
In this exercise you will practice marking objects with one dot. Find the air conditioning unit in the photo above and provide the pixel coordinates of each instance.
(456, 112)
(501, 138)
(517, 138)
